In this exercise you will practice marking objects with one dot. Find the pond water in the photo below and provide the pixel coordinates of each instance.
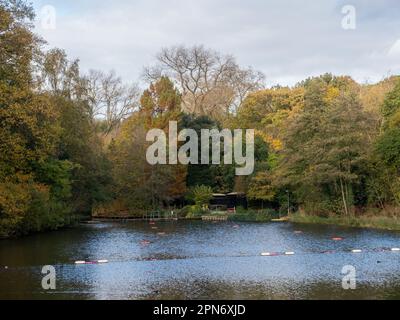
(201, 260)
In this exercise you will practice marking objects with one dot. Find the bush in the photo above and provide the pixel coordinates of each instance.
(28, 207)
(196, 212)
(14, 204)
(182, 213)
(45, 214)
(201, 195)
(243, 215)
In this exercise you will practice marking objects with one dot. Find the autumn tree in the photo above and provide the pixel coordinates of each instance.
(373, 96)
(325, 147)
(161, 103)
(210, 83)
(28, 124)
(137, 182)
(388, 150)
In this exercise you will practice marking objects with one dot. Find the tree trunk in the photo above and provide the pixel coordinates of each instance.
(344, 198)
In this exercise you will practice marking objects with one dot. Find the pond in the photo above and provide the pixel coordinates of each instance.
(202, 260)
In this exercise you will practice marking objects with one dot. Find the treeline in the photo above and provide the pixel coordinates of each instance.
(333, 146)
(73, 143)
(52, 162)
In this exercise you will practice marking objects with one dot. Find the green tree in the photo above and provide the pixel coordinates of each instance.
(387, 163)
(201, 195)
(28, 122)
(325, 147)
(137, 183)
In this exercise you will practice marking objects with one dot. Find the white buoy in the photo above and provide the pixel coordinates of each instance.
(289, 253)
(102, 261)
(265, 254)
(396, 249)
(356, 251)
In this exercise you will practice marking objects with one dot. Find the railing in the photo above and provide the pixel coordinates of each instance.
(157, 215)
(214, 218)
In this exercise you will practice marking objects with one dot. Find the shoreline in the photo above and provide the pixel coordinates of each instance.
(362, 222)
(383, 223)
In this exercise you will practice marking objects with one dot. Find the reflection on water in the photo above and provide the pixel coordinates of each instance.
(201, 260)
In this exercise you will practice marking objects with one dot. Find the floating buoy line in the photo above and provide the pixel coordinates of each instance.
(92, 262)
(356, 252)
(376, 250)
(263, 254)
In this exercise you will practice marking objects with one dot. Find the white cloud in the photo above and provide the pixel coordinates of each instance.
(288, 40)
(395, 50)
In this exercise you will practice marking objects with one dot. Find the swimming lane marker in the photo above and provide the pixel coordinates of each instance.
(271, 254)
(92, 262)
(102, 261)
(275, 254)
(266, 254)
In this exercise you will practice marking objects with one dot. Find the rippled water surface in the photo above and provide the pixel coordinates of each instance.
(201, 260)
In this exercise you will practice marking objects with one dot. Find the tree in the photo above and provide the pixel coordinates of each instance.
(221, 178)
(325, 146)
(161, 102)
(387, 149)
(118, 101)
(27, 130)
(391, 108)
(373, 96)
(107, 99)
(139, 184)
(58, 75)
(28, 123)
(52, 165)
(78, 143)
(261, 187)
(211, 84)
(201, 195)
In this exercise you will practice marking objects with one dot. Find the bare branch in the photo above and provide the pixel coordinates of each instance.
(209, 82)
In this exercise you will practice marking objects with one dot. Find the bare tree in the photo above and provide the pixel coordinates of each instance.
(210, 83)
(103, 96)
(94, 93)
(245, 81)
(109, 99)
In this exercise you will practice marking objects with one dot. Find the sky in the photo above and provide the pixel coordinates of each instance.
(288, 40)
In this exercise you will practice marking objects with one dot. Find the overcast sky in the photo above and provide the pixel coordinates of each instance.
(289, 40)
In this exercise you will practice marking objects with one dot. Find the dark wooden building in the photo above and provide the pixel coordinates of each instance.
(228, 201)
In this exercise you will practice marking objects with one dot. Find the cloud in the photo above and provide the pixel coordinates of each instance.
(395, 50)
(288, 40)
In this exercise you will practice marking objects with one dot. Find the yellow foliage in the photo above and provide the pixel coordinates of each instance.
(394, 120)
(331, 94)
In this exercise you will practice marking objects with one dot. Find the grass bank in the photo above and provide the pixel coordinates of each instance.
(242, 215)
(364, 221)
(252, 216)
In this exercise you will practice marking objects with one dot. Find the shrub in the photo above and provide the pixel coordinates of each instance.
(252, 215)
(201, 195)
